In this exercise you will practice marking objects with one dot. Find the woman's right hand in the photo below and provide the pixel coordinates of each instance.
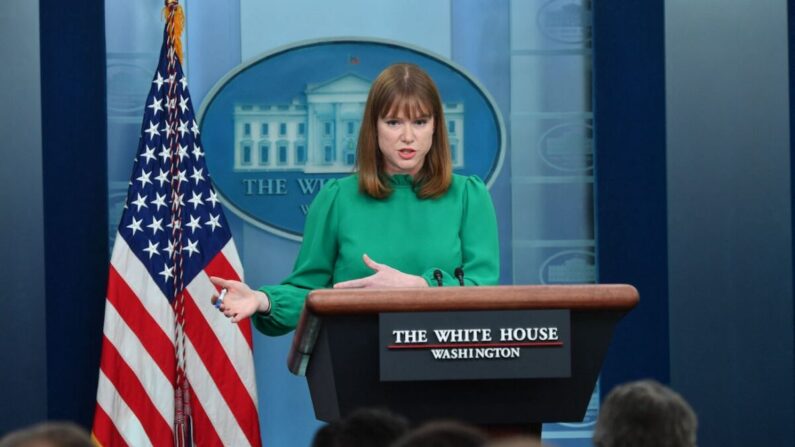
(240, 301)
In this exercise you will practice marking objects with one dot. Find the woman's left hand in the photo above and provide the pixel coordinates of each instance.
(384, 276)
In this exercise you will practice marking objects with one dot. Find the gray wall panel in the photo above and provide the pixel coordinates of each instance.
(22, 306)
(729, 217)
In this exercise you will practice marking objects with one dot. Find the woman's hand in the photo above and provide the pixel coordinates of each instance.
(385, 276)
(240, 301)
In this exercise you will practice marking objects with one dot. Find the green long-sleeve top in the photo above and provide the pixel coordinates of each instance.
(416, 236)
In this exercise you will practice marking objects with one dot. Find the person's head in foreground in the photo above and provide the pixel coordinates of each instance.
(403, 132)
(48, 434)
(369, 427)
(443, 434)
(645, 414)
(516, 441)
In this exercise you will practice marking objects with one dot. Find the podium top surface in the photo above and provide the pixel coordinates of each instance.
(433, 299)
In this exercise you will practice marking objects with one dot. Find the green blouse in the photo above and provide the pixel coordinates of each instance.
(416, 236)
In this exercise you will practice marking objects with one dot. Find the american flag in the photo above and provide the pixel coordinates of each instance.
(174, 370)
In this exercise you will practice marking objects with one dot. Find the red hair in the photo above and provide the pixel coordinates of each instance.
(406, 89)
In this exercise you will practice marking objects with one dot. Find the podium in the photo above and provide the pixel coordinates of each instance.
(337, 347)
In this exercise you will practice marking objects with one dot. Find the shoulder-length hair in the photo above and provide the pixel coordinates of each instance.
(406, 89)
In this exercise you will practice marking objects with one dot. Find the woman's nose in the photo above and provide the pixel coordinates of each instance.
(407, 136)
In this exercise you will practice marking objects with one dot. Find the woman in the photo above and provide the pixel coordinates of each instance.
(404, 208)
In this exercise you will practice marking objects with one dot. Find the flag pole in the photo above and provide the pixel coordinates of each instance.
(175, 21)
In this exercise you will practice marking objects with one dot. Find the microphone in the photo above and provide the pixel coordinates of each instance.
(459, 273)
(437, 275)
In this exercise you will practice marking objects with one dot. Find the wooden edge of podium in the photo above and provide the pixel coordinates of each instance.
(328, 302)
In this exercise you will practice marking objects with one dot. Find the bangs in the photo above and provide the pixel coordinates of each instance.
(410, 107)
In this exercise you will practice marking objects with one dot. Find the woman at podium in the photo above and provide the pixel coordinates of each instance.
(402, 220)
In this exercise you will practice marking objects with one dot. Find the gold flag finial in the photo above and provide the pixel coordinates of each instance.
(175, 23)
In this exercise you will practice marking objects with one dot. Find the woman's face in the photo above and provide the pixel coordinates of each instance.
(404, 142)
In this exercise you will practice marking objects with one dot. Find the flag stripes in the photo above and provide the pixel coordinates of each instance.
(105, 433)
(123, 420)
(206, 390)
(132, 352)
(135, 395)
(157, 344)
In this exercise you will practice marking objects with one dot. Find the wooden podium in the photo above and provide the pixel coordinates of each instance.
(336, 346)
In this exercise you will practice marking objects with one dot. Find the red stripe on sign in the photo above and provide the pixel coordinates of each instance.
(204, 432)
(104, 431)
(222, 370)
(132, 391)
(138, 319)
(529, 344)
(220, 267)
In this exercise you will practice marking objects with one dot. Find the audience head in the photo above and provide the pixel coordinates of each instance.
(516, 441)
(48, 434)
(443, 434)
(645, 414)
(326, 435)
(369, 427)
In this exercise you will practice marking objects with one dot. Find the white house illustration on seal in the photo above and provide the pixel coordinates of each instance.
(317, 134)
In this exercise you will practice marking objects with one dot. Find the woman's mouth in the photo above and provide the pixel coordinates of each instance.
(407, 154)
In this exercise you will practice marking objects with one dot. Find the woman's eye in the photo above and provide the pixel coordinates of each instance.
(391, 122)
(421, 122)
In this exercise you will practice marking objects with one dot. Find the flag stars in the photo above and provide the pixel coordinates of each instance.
(156, 225)
(196, 200)
(164, 153)
(152, 249)
(156, 105)
(152, 130)
(170, 248)
(140, 202)
(159, 81)
(183, 128)
(184, 81)
(167, 272)
(197, 151)
(182, 152)
(162, 178)
(149, 154)
(191, 247)
(213, 222)
(135, 226)
(183, 106)
(181, 177)
(193, 224)
(195, 129)
(159, 200)
(181, 203)
(197, 175)
(144, 178)
(213, 197)
(168, 130)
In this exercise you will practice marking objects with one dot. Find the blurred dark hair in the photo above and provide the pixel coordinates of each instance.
(369, 427)
(326, 435)
(49, 434)
(443, 434)
(645, 414)
(516, 441)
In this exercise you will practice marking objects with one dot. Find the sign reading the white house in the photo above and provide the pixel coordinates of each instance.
(277, 128)
(475, 345)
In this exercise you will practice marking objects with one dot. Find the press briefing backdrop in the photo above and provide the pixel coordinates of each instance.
(531, 60)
